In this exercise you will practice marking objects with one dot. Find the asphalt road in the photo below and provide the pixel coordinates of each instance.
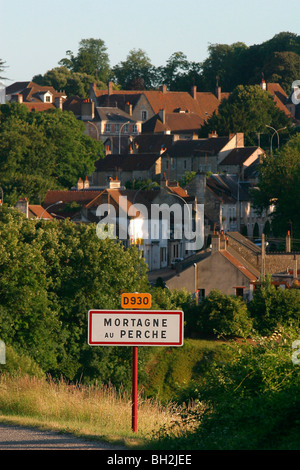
(23, 438)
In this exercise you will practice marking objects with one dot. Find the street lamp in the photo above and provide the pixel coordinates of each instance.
(51, 205)
(93, 124)
(275, 132)
(120, 135)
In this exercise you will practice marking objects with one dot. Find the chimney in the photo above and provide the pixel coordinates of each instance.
(162, 115)
(263, 84)
(128, 108)
(215, 242)
(288, 245)
(87, 110)
(58, 102)
(22, 206)
(163, 182)
(218, 93)
(194, 92)
(163, 88)
(86, 183)
(79, 184)
(110, 88)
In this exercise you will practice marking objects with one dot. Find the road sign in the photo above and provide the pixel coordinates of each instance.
(135, 328)
(136, 300)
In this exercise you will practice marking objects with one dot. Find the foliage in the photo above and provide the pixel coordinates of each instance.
(51, 275)
(224, 315)
(72, 83)
(273, 308)
(92, 59)
(19, 365)
(136, 72)
(249, 109)
(252, 399)
(42, 150)
(278, 174)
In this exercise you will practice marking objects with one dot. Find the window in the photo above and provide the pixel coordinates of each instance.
(117, 128)
(134, 129)
(107, 127)
(144, 115)
(126, 129)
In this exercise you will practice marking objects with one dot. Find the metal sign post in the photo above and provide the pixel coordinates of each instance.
(134, 387)
(135, 328)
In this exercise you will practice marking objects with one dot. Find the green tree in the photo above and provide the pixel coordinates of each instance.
(42, 150)
(72, 83)
(278, 185)
(136, 72)
(92, 59)
(273, 308)
(224, 315)
(249, 109)
(51, 275)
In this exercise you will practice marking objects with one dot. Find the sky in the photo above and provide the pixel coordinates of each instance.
(35, 35)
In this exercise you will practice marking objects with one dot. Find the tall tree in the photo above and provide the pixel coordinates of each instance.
(249, 109)
(92, 59)
(136, 72)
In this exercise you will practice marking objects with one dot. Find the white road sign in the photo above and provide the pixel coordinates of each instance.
(135, 328)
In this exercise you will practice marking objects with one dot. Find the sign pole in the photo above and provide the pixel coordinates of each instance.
(134, 387)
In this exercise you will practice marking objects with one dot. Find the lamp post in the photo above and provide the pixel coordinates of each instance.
(51, 205)
(97, 131)
(120, 135)
(275, 132)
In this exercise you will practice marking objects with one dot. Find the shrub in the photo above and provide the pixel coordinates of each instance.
(271, 307)
(225, 315)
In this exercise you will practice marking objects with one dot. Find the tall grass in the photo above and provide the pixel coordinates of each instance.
(91, 411)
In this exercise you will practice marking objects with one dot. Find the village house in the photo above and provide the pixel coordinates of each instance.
(228, 204)
(235, 266)
(159, 236)
(33, 211)
(145, 104)
(35, 97)
(208, 155)
(128, 168)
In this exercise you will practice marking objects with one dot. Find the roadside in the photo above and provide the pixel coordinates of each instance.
(14, 437)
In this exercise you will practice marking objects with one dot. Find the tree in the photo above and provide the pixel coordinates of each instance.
(51, 274)
(42, 150)
(223, 65)
(179, 74)
(248, 109)
(92, 59)
(273, 308)
(136, 72)
(279, 185)
(2, 68)
(224, 315)
(72, 83)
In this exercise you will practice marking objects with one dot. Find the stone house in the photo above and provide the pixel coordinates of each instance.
(204, 155)
(126, 168)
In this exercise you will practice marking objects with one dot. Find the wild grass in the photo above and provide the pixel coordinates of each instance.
(94, 412)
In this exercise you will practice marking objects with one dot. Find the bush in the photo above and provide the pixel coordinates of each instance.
(272, 308)
(225, 315)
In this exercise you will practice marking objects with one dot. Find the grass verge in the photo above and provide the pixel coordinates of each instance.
(100, 413)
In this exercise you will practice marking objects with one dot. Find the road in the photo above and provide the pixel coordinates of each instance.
(23, 438)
